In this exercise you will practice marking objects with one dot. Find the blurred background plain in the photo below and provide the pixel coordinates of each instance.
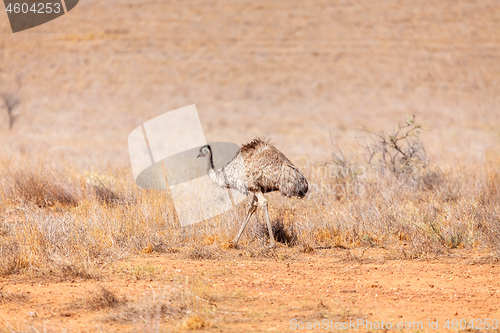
(304, 73)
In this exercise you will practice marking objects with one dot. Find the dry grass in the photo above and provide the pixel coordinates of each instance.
(200, 252)
(66, 224)
(101, 298)
(195, 323)
(184, 298)
(8, 297)
(43, 188)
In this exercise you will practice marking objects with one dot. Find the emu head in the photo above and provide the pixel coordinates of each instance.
(205, 151)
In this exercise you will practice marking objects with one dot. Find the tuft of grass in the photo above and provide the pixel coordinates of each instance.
(10, 297)
(144, 271)
(307, 248)
(106, 196)
(195, 322)
(103, 298)
(43, 189)
(186, 297)
(200, 252)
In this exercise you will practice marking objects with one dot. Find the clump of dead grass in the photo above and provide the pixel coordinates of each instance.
(195, 323)
(41, 186)
(103, 298)
(202, 252)
(107, 196)
(11, 297)
(185, 298)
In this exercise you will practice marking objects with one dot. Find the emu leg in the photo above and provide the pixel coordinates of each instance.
(251, 210)
(263, 204)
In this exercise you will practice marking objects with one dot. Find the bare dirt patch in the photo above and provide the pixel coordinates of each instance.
(245, 294)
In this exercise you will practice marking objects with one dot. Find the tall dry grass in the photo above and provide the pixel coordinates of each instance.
(56, 221)
(391, 196)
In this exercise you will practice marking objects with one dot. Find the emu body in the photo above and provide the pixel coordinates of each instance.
(258, 168)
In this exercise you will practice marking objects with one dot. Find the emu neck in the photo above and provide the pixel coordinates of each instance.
(215, 176)
(210, 165)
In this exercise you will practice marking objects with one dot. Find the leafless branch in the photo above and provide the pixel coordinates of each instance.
(11, 102)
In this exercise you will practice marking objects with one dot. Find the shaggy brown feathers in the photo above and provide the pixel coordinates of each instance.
(259, 168)
(267, 169)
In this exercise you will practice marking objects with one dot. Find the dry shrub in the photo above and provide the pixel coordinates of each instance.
(42, 243)
(68, 241)
(399, 152)
(389, 196)
(307, 248)
(158, 245)
(184, 297)
(106, 196)
(222, 241)
(105, 189)
(200, 252)
(195, 323)
(103, 298)
(397, 156)
(43, 188)
(490, 195)
(148, 311)
(11, 261)
(489, 210)
(261, 252)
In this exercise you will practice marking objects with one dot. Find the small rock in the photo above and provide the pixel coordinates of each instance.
(32, 314)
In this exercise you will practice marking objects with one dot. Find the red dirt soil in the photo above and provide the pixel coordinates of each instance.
(266, 294)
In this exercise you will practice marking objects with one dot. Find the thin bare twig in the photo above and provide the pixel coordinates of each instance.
(11, 101)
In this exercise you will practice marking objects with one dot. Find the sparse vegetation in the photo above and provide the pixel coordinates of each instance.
(44, 189)
(200, 252)
(399, 152)
(8, 297)
(102, 298)
(182, 299)
(55, 224)
(195, 323)
(390, 196)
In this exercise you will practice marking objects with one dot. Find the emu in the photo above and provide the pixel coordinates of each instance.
(259, 168)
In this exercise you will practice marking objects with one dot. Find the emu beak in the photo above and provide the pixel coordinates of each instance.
(199, 154)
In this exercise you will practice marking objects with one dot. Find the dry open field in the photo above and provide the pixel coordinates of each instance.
(412, 239)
